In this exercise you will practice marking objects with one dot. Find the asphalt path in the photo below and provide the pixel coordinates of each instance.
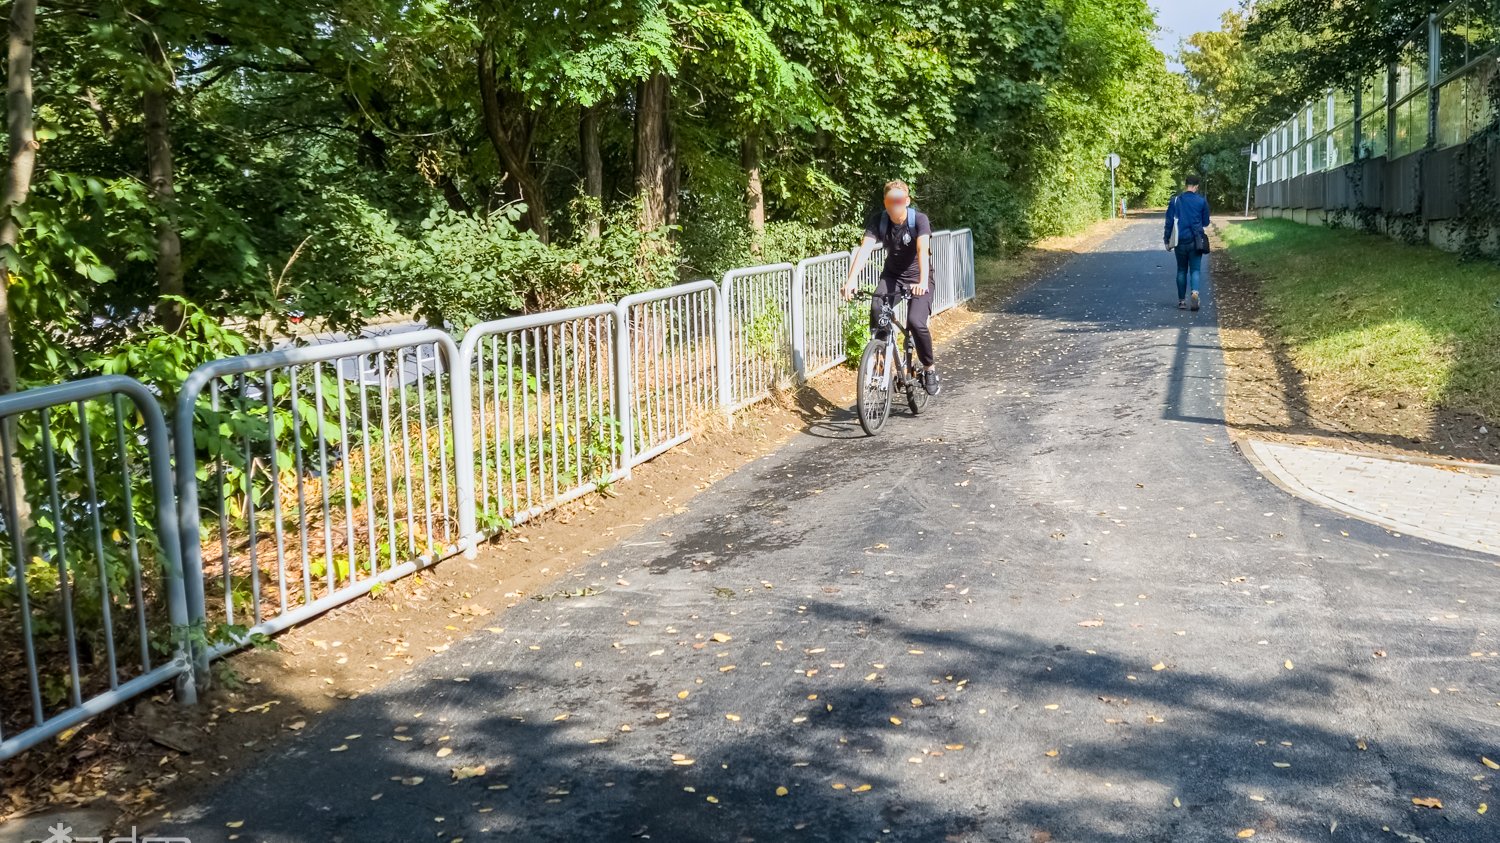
(1059, 607)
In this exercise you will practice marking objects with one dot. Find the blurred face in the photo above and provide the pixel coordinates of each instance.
(896, 202)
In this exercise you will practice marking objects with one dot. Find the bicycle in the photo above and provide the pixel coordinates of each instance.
(886, 366)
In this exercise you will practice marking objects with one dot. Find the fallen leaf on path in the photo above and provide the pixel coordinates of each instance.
(722, 637)
(1158, 666)
(782, 791)
(1051, 753)
(445, 752)
(1246, 832)
(862, 788)
(1488, 763)
(1427, 802)
(1287, 664)
(461, 773)
(1089, 623)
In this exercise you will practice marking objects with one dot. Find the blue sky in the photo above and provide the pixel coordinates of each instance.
(1181, 18)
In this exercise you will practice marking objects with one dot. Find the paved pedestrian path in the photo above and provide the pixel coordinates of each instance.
(1058, 606)
(1446, 502)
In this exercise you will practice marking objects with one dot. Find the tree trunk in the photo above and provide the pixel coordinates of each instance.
(653, 159)
(511, 147)
(22, 160)
(163, 189)
(593, 167)
(754, 192)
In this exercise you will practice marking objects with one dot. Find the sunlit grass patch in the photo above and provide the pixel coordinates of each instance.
(1366, 314)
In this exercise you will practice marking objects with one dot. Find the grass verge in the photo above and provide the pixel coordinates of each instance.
(1361, 314)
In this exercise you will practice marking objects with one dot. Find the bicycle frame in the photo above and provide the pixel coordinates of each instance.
(899, 353)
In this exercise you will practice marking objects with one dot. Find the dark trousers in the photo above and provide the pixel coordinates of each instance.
(918, 310)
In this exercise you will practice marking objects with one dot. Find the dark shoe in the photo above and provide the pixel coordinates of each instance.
(931, 382)
(1195, 300)
(1181, 305)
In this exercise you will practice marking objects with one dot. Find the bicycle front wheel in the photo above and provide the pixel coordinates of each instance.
(874, 394)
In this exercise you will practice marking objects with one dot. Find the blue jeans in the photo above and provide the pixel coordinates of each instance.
(1189, 268)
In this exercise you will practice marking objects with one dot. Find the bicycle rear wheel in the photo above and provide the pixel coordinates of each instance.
(874, 393)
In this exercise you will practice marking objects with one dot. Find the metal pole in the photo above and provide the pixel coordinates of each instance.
(1112, 206)
(1249, 180)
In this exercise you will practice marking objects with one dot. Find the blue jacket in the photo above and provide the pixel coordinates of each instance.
(1191, 211)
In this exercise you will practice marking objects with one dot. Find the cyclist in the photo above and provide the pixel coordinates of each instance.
(905, 232)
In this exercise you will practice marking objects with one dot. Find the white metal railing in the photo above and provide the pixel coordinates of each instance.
(672, 365)
(305, 477)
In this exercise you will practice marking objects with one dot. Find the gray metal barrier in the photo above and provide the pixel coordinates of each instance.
(544, 408)
(672, 365)
(757, 316)
(328, 469)
(818, 324)
(92, 581)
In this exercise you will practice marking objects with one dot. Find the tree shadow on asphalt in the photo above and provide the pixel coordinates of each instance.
(579, 777)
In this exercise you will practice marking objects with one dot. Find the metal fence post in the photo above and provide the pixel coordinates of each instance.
(721, 345)
(461, 393)
(188, 525)
(799, 322)
(623, 409)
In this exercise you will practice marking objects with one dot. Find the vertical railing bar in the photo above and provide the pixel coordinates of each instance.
(62, 554)
(510, 425)
(131, 536)
(501, 467)
(441, 367)
(250, 514)
(276, 490)
(351, 550)
(222, 495)
(679, 364)
(659, 360)
(385, 440)
(552, 400)
(483, 445)
(297, 462)
(587, 357)
(372, 529)
(106, 616)
(526, 415)
(570, 368)
(406, 484)
(424, 433)
(23, 587)
(324, 493)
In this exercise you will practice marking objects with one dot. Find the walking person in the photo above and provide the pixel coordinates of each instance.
(905, 233)
(1186, 235)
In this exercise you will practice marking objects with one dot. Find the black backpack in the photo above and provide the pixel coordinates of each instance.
(911, 221)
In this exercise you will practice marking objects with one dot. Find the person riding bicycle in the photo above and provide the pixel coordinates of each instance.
(905, 232)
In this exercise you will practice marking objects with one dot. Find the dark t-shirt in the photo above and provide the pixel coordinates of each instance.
(900, 243)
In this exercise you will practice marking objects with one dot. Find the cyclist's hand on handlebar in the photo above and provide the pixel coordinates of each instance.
(919, 290)
(847, 293)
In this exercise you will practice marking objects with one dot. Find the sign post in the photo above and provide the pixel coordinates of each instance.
(1254, 158)
(1112, 161)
